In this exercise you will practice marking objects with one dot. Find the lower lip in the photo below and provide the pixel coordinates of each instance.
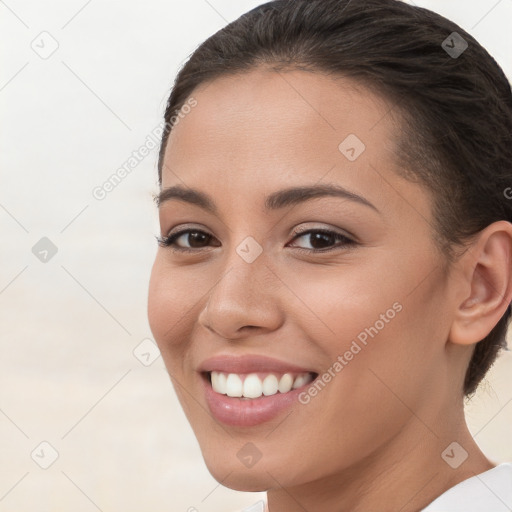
(238, 412)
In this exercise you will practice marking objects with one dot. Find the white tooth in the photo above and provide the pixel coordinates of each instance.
(234, 385)
(252, 386)
(286, 383)
(270, 385)
(300, 381)
(221, 383)
(215, 380)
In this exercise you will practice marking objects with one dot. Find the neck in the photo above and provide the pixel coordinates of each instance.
(405, 474)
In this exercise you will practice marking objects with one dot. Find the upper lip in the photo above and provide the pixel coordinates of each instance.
(248, 364)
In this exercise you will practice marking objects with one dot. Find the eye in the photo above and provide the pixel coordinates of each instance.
(321, 240)
(194, 237)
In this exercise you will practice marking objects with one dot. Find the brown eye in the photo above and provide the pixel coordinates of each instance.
(322, 240)
(196, 239)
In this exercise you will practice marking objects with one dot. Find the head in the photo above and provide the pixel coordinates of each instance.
(413, 299)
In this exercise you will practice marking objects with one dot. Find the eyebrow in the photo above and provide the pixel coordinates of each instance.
(275, 201)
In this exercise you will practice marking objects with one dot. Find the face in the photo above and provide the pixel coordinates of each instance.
(320, 308)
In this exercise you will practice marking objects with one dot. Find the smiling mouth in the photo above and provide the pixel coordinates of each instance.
(251, 386)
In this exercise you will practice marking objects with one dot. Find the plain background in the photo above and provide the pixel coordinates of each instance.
(70, 326)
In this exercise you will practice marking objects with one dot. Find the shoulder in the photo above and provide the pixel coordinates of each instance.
(490, 491)
(259, 506)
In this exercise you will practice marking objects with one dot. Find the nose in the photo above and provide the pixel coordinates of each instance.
(244, 301)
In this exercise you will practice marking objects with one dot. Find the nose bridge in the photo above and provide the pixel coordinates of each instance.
(244, 294)
(245, 273)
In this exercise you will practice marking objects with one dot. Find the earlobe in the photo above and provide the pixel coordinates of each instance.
(488, 277)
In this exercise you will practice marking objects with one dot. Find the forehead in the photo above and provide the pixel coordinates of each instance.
(262, 130)
(282, 111)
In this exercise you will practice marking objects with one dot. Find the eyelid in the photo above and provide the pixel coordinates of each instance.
(188, 226)
(181, 229)
(338, 231)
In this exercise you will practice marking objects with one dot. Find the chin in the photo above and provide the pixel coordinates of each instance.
(228, 467)
(241, 479)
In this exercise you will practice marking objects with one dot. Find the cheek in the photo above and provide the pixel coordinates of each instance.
(170, 309)
(381, 314)
(337, 306)
(158, 303)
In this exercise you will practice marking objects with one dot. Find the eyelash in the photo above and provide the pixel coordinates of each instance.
(169, 241)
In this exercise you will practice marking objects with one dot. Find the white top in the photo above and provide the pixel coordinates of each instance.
(490, 491)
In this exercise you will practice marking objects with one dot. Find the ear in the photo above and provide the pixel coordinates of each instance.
(486, 285)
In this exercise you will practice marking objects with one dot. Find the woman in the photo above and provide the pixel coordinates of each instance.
(334, 270)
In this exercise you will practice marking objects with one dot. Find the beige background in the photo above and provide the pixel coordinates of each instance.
(68, 374)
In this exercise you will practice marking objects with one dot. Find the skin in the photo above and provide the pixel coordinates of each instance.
(372, 438)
